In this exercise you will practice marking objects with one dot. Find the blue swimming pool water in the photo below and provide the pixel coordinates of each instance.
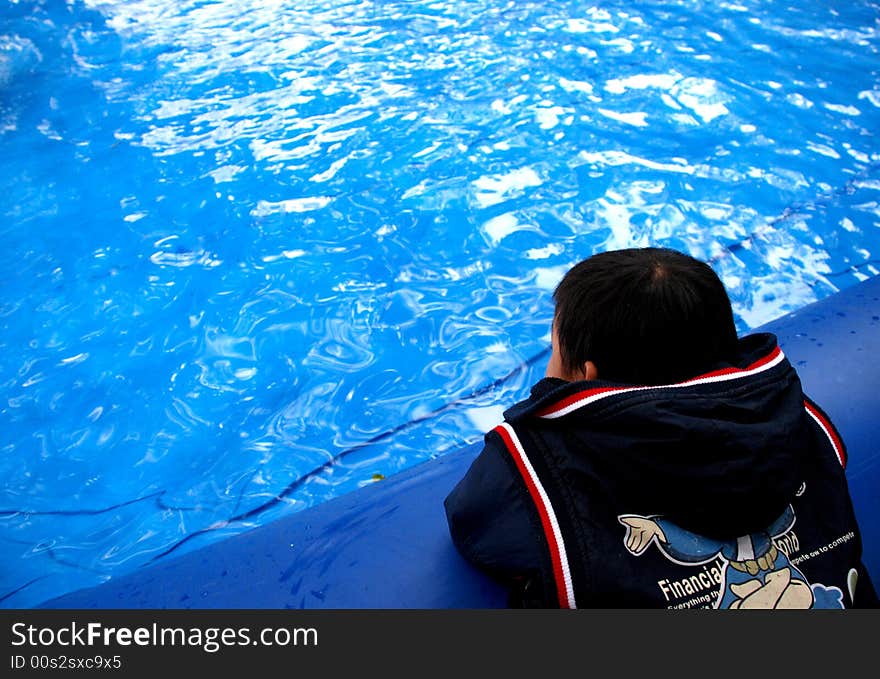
(257, 254)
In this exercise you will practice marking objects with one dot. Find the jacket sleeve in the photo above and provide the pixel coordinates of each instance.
(495, 527)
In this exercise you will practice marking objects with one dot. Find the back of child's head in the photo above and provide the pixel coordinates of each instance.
(644, 316)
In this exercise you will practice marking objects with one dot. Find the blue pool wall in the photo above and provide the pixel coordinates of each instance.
(387, 545)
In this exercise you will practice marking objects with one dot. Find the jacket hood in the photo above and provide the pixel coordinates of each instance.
(720, 454)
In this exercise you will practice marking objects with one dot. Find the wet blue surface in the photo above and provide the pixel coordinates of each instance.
(388, 545)
(257, 255)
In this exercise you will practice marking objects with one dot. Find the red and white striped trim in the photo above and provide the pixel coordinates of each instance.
(584, 398)
(558, 556)
(829, 431)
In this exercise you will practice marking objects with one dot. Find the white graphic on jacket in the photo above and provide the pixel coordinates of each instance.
(757, 574)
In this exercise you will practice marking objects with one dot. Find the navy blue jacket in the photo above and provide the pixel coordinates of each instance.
(727, 491)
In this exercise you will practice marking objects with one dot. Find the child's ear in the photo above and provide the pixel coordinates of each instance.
(590, 372)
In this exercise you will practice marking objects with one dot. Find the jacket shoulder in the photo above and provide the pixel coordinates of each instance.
(491, 521)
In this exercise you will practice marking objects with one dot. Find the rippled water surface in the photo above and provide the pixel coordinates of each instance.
(256, 254)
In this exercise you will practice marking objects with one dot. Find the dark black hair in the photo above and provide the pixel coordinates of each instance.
(644, 316)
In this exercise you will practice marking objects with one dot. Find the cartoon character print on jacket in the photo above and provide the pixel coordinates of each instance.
(755, 572)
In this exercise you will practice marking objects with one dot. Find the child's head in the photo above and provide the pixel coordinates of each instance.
(640, 316)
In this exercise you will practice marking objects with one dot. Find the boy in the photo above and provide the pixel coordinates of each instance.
(662, 461)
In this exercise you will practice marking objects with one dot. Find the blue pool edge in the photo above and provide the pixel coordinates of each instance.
(387, 545)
